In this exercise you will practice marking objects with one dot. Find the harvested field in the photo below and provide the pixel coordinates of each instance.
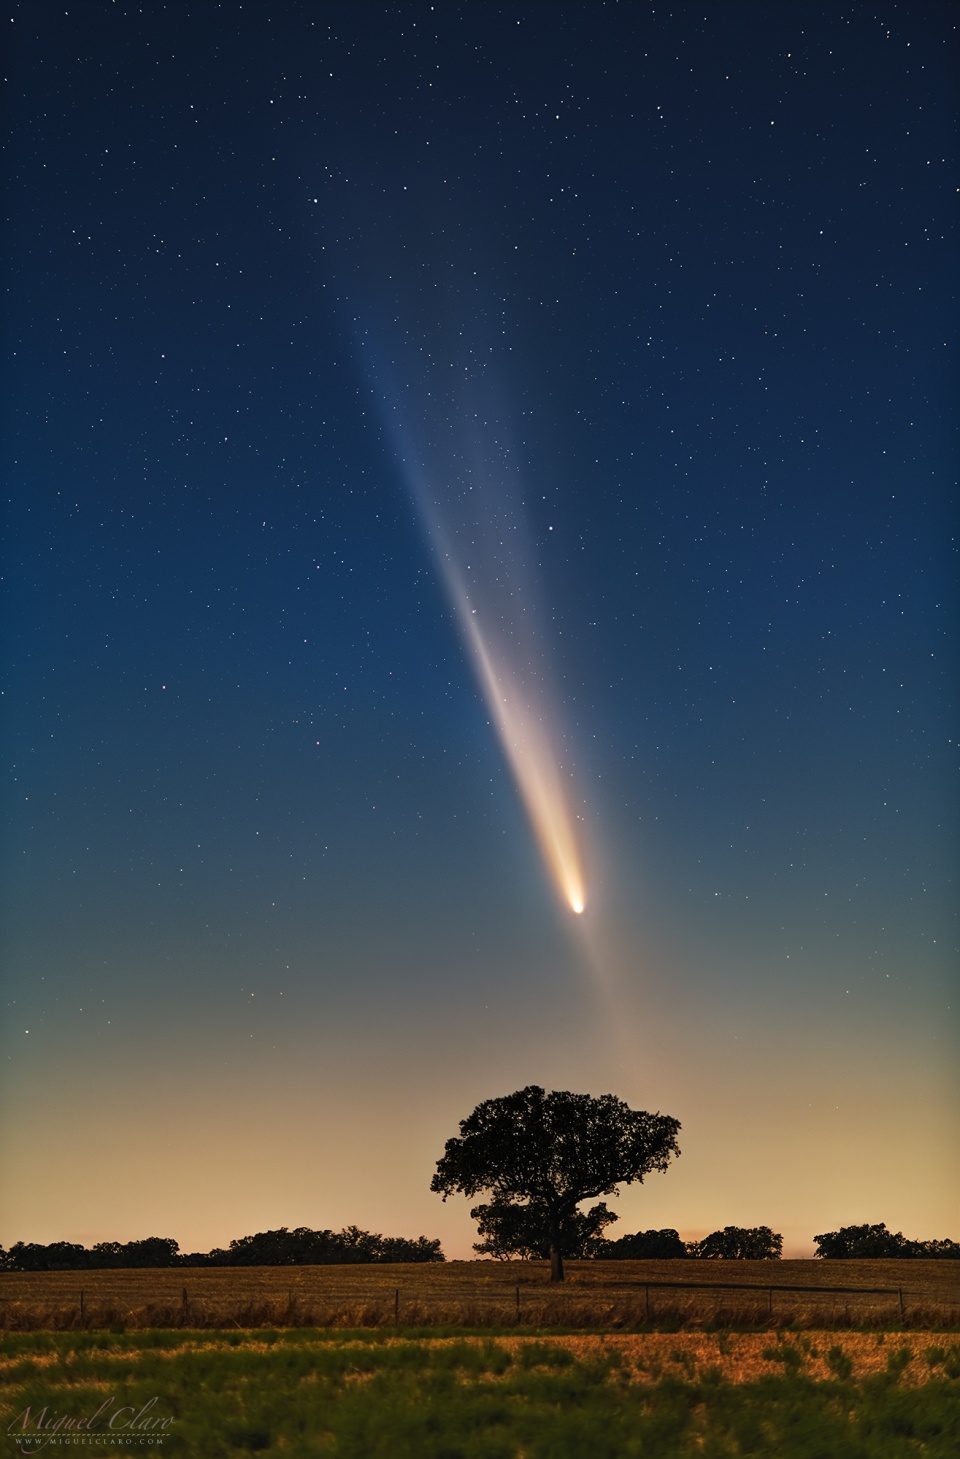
(492, 1294)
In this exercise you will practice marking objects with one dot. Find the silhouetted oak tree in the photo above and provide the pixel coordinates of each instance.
(552, 1151)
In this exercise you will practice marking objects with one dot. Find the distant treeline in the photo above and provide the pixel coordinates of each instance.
(301, 1247)
(735, 1243)
(758, 1243)
(869, 1241)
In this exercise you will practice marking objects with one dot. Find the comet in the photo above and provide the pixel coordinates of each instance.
(466, 488)
(522, 723)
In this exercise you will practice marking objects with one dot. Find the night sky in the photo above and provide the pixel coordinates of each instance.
(631, 325)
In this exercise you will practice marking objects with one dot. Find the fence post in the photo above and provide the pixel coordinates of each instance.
(81, 1304)
(900, 1295)
(184, 1302)
(770, 1301)
(396, 1307)
(646, 1299)
(518, 1304)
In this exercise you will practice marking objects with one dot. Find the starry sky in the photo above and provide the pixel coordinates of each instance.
(629, 323)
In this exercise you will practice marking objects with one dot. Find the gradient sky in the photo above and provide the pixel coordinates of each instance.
(643, 311)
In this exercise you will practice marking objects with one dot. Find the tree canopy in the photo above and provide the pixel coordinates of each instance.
(740, 1243)
(544, 1154)
(304, 1247)
(58, 1256)
(662, 1245)
(877, 1241)
(301, 1247)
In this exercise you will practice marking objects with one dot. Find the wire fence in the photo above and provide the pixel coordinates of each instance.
(516, 1302)
(288, 1297)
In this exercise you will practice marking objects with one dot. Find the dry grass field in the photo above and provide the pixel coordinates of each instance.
(604, 1295)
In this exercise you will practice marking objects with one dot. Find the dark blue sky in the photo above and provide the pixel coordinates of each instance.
(272, 901)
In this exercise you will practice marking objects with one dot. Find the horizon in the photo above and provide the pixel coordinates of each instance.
(687, 1238)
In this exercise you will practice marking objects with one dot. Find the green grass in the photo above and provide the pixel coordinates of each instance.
(299, 1394)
